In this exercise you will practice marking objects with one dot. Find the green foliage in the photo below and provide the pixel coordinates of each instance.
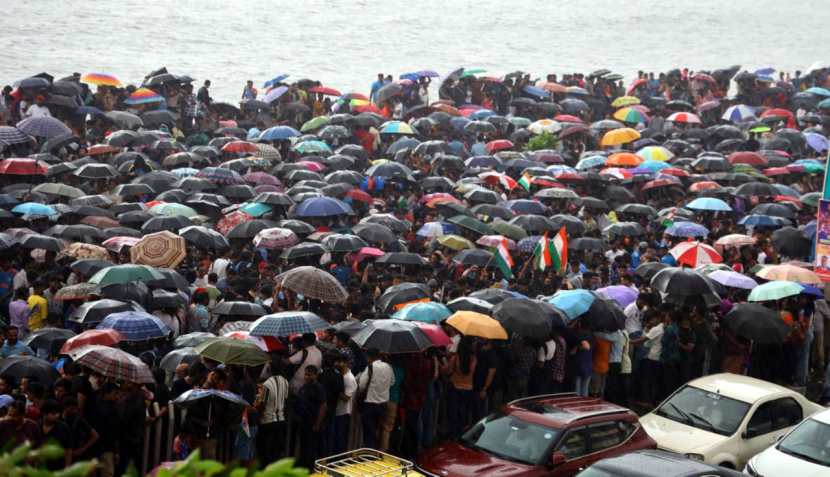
(545, 140)
(24, 461)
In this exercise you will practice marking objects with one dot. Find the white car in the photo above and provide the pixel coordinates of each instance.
(804, 452)
(724, 419)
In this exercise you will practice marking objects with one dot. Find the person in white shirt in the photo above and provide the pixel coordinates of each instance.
(169, 318)
(634, 315)
(220, 266)
(38, 109)
(374, 383)
(270, 401)
(308, 355)
(343, 411)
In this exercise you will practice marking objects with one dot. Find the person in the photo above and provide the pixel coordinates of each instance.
(418, 370)
(249, 92)
(203, 96)
(13, 347)
(19, 312)
(105, 420)
(310, 415)
(461, 400)
(308, 355)
(582, 357)
(332, 381)
(82, 436)
(39, 307)
(198, 316)
(345, 403)
(53, 429)
(38, 109)
(376, 85)
(374, 384)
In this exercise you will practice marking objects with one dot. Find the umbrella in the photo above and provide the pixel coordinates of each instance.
(174, 358)
(694, 254)
(23, 167)
(44, 338)
(43, 126)
(135, 325)
(375, 233)
(401, 258)
(619, 136)
(322, 207)
(572, 302)
(525, 317)
(287, 323)
(428, 312)
(192, 339)
(239, 309)
(466, 303)
(735, 240)
(790, 273)
(757, 323)
(160, 249)
(709, 204)
(78, 291)
(204, 237)
(733, 279)
(313, 283)
(392, 336)
(304, 249)
(343, 243)
(621, 294)
(681, 282)
(229, 351)
(275, 238)
(470, 323)
(19, 367)
(397, 296)
(604, 315)
(95, 311)
(192, 396)
(687, 229)
(42, 242)
(646, 271)
(455, 242)
(113, 363)
(125, 274)
(92, 337)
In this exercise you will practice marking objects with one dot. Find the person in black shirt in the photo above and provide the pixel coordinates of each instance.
(55, 431)
(311, 414)
(485, 374)
(105, 421)
(332, 381)
(81, 435)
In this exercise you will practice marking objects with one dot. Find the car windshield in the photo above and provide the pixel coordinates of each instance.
(705, 410)
(511, 438)
(809, 441)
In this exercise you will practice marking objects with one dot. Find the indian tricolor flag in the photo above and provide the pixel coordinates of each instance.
(525, 181)
(503, 259)
(552, 252)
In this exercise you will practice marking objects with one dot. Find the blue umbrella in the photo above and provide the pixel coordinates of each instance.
(416, 75)
(818, 91)
(275, 80)
(253, 133)
(322, 207)
(525, 206)
(816, 141)
(275, 94)
(483, 161)
(812, 290)
(435, 229)
(687, 229)
(135, 325)
(43, 126)
(757, 220)
(787, 190)
(34, 208)
(279, 133)
(535, 91)
(255, 209)
(482, 114)
(572, 302)
(654, 166)
(710, 204)
(824, 104)
(192, 395)
(287, 323)
(429, 312)
(591, 162)
(528, 244)
(458, 122)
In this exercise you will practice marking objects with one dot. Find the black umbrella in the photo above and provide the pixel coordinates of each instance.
(45, 338)
(240, 308)
(137, 292)
(392, 336)
(166, 299)
(493, 295)
(343, 243)
(192, 339)
(41, 241)
(303, 249)
(95, 311)
(604, 315)
(350, 327)
(470, 257)
(401, 293)
(534, 224)
(395, 224)
(587, 244)
(174, 358)
(682, 282)
(525, 317)
(89, 266)
(756, 189)
(86, 233)
(757, 323)
(574, 226)
(490, 210)
(171, 223)
(375, 233)
(204, 237)
(249, 229)
(790, 241)
(401, 258)
(173, 280)
(623, 229)
(775, 210)
(466, 303)
(646, 271)
(638, 210)
(38, 369)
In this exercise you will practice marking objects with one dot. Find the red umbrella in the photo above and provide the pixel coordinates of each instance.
(695, 254)
(636, 84)
(311, 165)
(359, 195)
(657, 183)
(240, 147)
(324, 90)
(567, 118)
(790, 200)
(434, 333)
(228, 222)
(704, 185)
(498, 145)
(499, 179)
(367, 108)
(674, 171)
(780, 113)
(106, 337)
(569, 177)
(23, 167)
(438, 195)
(747, 157)
(776, 171)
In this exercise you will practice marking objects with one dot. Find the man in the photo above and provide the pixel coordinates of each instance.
(53, 429)
(332, 381)
(249, 93)
(485, 374)
(270, 401)
(16, 428)
(19, 312)
(418, 372)
(13, 347)
(106, 423)
(55, 306)
(203, 96)
(220, 266)
(180, 380)
(310, 415)
(38, 109)
(308, 355)
(378, 84)
(82, 436)
(198, 316)
(374, 383)
(343, 412)
(39, 307)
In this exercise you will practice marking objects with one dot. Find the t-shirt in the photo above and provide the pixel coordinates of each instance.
(332, 380)
(309, 399)
(16, 349)
(220, 267)
(655, 347)
(349, 388)
(28, 430)
(314, 357)
(40, 310)
(485, 360)
(633, 318)
(276, 389)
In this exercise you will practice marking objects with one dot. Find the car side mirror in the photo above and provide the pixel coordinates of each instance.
(558, 458)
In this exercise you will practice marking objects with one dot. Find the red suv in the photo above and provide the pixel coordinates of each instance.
(552, 435)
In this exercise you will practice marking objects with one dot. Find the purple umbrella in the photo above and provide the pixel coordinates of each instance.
(816, 141)
(733, 279)
(622, 294)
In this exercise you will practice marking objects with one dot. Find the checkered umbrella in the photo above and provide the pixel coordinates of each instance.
(192, 339)
(43, 127)
(268, 152)
(161, 249)
(287, 323)
(275, 238)
(232, 326)
(313, 283)
(135, 325)
(11, 135)
(113, 363)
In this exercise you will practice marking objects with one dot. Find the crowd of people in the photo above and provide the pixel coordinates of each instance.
(319, 271)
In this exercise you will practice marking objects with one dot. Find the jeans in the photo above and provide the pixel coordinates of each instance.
(802, 367)
(411, 434)
(341, 434)
(581, 385)
(460, 405)
(370, 416)
(427, 416)
(270, 443)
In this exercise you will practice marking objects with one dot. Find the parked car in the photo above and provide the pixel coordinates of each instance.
(725, 419)
(804, 452)
(552, 435)
(655, 463)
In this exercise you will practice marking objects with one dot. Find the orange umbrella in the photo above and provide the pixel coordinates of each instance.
(616, 137)
(624, 159)
(160, 249)
(470, 323)
(789, 273)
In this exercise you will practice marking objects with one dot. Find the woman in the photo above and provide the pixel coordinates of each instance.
(461, 370)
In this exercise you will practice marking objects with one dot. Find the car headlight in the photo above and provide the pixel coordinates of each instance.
(695, 457)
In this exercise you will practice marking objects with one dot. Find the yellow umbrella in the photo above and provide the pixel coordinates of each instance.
(470, 323)
(623, 101)
(789, 273)
(615, 137)
(161, 249)
(455, 242)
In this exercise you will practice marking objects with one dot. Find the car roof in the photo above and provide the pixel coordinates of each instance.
(562, 409)
(742, 388)
(657, 463)
(822, 417)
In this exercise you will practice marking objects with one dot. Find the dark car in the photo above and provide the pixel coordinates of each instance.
(655, 463)
(552, 435)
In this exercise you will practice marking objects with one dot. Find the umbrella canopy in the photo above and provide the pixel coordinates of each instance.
(19, 367)
(193, 339)
(681, 282)
(314, 283)
(392, 336)
(160, 249)
(193, 396)
(695, 254)
(120, 274)
(470, 323)
(113, 363)
(789, 273)
(621, 294)
(229, 351)
(135, 325)
(429, 312)
(287, 323)
(239, 309)
(775, 290)
(92, 337)
(524, 317)
(732, 279)
(44, 338)
(174, 358)
(757, 323)
(572, 302)
(397, 296)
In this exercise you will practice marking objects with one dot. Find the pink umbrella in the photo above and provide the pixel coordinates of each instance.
(116, 244)
(434, 333)
(311, 165)
(368, 252)
(495, 241)
(261, 178)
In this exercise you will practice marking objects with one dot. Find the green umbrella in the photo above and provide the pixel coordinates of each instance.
(173, 208)
(812, 167)
(230, 351)
(775, 290)
(811, 198)
(472, 224)
(509, 230)
(121, 274)
(314, 124)
(61, 190)
(312, 147)
(520, 122)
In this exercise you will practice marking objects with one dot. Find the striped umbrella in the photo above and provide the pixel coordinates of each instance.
(694, 254)
(113, 363)
(684, 118)
(135, 325)
(44, 126)
(655, 153)
(739, 113)
(100, 79)
(160, 249)
(313, 283)
(10, 135)
(287, 323)
(630, 115)
(144, 96)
